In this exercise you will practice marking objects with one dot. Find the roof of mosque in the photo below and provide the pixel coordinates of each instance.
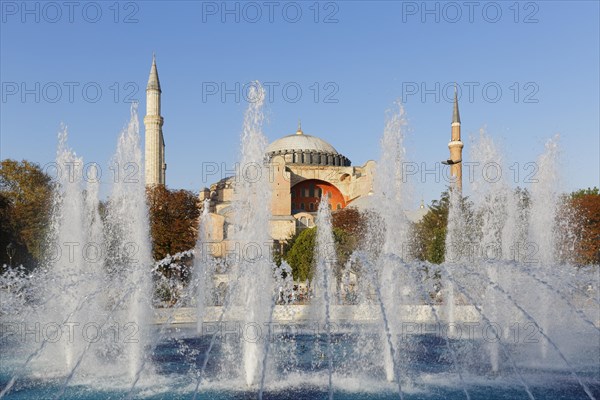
(300, 141)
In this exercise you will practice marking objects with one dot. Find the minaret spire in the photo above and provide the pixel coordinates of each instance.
(153, 82)
(455, 113)
(155, 167)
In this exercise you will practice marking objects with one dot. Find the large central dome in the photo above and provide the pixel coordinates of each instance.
(306, 149)
(301, 142)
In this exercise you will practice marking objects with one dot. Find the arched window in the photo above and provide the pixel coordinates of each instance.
(302, 206)
(339, 206)
(311, 206)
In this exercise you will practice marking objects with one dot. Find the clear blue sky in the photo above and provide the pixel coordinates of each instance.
(371, 53)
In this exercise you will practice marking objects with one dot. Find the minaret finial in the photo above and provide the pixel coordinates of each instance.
(299, 131)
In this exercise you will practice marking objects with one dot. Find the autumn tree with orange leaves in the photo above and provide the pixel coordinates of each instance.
(173, 220)
(584, 213)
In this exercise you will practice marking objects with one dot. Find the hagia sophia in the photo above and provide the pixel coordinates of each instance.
(309, 167)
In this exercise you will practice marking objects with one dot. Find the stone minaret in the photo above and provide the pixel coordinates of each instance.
(456, 146)
(155, 144)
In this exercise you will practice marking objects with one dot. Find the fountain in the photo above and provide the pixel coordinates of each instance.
(501, 318)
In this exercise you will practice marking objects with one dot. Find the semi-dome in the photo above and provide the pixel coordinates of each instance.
(306, 149)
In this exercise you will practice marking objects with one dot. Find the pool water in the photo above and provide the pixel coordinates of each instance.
(298, 368)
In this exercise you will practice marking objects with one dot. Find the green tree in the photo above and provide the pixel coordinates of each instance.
(586, 192)
(301, 257)
(300, 254)
(25, 203)
(430, 232)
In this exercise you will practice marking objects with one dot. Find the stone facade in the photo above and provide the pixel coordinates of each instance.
(303, 168)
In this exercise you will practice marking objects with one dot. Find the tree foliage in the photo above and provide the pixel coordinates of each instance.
(366, 227)
(350, 220)
(173, 220)
(25, 203)
(430, 232)
(586, 192)
(584, 211)
(301, 257)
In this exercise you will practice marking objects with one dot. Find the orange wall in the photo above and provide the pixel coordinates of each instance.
(307, 193)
